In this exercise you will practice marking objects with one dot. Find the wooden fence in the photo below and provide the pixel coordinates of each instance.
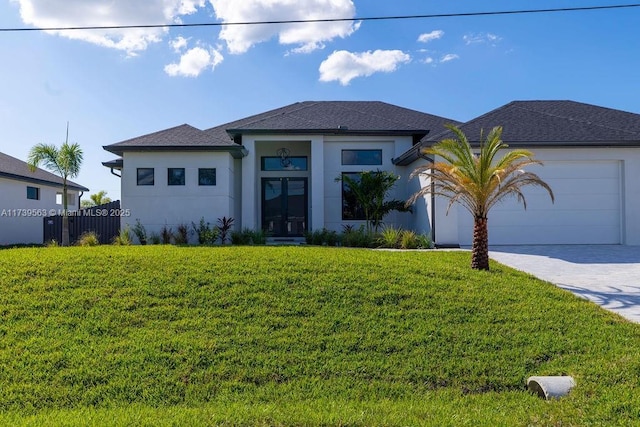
(104, 220)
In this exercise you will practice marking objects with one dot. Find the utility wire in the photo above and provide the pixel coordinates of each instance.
(306, 21)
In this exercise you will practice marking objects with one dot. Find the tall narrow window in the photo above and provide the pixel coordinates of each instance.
(145, 176)
(33, 193)
(207, 176)
(351, 209)
(361, 157)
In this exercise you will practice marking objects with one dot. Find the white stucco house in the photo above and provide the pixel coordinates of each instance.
(28, 197)
(276, 171)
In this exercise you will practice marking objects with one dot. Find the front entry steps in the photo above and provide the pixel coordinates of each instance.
(286, 241)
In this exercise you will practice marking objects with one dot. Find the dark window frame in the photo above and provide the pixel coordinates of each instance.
(141, 180)
(351, 210)
(37, 193)
(200, 177)
(376, 155)
(264, 159)
(178, 180)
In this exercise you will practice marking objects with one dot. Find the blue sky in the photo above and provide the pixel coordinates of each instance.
(115, 85)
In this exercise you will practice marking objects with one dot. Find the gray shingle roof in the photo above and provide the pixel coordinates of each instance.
(184, 137)
(547, 124)
(338, 117)
(13, 168)
(560, 123)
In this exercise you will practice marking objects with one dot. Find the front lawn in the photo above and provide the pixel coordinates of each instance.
(163, 335)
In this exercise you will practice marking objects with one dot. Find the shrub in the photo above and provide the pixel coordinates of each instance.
(182, 236)
(88, 238)
(322, 237)
(408, 240)
(207, 235)
(390, 237)
(358, 237)
(424, 241)
(53, 243)
(249, 237)
(154, 239)
(166, 235)
(140, 232)
(123, 238)
(224, 226)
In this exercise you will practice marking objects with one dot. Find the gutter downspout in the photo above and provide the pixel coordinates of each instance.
(113, 173)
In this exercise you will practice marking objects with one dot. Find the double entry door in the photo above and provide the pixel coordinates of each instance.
(284, 206)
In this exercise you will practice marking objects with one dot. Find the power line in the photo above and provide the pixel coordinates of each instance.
(306, 21)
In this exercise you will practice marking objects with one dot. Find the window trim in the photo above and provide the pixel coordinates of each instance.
(283, 169)
(153, 176)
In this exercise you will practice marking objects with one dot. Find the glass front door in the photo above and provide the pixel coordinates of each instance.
(284, 206)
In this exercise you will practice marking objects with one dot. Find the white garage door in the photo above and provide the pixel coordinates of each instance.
(586, 209)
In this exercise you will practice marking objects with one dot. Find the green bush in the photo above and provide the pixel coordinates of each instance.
(390, 237)
(249, 237)
(207, 235)
(155, 239)
(140, 232)
(182, 235)
(322, 237)
(358, 237)
(166, 235)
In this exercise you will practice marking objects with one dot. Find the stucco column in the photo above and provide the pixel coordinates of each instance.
(249, 213)
(316, 211)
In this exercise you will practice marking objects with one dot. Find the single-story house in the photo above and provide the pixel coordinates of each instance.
(28, 197)
(277, 171)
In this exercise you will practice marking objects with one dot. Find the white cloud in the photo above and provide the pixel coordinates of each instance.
(481, 38)
(81, 13)
(449, 57)
(193, 62)
(433, 35)
(428, 60)
(307, 36)
(345, 66)
(178, 44)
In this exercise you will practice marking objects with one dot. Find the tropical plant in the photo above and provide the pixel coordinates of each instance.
(65, 161)
(166, 234)
(479, 181)
(224, 227)
(96, 199)
(123, 238)
(369, 189)
(140, 232)
(182, 235)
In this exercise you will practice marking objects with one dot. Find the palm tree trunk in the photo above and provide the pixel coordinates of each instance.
(65, 229)
(480, 245)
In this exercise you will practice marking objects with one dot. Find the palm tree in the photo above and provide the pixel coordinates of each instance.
(64, 161)
(97, 199)
(477, 181)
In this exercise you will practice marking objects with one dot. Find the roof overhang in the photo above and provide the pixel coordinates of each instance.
(335, 131)
(237, 151)
(71, 186)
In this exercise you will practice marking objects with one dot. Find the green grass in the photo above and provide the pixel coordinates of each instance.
(163, 335)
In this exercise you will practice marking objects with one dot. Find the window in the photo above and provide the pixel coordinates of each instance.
(33, 193)
(284, 164)
(145, 176)
(351, 209)
(361, 157)
(175, 176)
(71, 200)
(207, 176)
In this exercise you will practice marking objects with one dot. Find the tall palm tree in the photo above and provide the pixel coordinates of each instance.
(64, 161)
(477, 181)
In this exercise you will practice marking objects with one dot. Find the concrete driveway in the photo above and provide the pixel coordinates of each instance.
(606, 275)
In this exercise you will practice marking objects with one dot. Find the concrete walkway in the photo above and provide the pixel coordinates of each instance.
(606, 275)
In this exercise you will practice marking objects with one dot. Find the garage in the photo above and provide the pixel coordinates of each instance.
(587, 208)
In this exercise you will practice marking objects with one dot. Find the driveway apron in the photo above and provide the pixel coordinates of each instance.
(608, 275)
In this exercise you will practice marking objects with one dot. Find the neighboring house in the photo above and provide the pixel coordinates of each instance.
(27, 197)
(591, 161)
(276, 171)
